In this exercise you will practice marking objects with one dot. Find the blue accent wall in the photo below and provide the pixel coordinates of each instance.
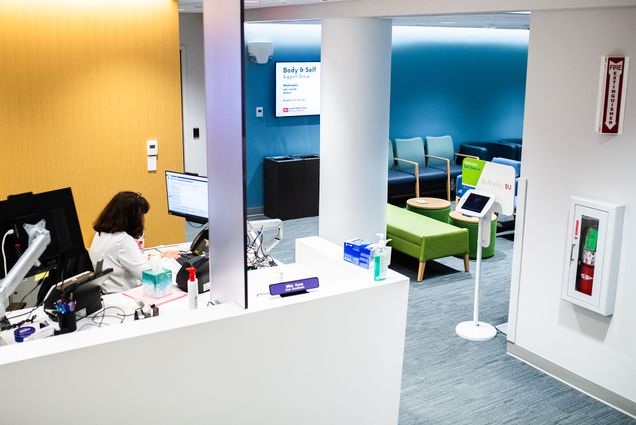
(469, 83)
(271, 136)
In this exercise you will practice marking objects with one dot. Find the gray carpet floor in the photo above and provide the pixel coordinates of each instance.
(447, 380)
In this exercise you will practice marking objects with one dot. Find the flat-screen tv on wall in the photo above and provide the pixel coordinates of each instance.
(297, 89)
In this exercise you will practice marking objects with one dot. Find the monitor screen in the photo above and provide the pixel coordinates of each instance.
(297, 88)
(475, 202)
(187, 196)
(57, 208)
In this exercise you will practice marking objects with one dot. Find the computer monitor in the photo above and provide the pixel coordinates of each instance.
(187, 196)
(58, 209)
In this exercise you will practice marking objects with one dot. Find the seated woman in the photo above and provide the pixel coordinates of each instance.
(118, 229)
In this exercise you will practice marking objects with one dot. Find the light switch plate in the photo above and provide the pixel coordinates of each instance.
(152, 163)
(259, 112)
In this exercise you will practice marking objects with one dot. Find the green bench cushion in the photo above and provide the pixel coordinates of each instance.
(422, 237)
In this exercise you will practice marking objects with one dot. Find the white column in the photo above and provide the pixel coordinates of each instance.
(223, 50)
(354, 127)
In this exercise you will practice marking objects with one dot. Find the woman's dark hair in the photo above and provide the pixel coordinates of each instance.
(124, 213)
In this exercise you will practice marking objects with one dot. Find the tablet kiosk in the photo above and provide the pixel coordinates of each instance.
(475, 203)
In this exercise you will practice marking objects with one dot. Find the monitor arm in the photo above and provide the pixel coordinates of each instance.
(39, 238)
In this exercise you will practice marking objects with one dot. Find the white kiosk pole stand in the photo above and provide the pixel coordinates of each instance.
(477, 204)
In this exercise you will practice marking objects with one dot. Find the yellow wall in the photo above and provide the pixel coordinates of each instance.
(83, 85)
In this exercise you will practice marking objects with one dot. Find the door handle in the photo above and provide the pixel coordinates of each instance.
(572, 252)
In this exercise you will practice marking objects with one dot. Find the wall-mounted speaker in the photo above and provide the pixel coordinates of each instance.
(260, 51)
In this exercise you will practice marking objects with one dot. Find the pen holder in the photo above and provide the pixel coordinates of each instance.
(67, 322)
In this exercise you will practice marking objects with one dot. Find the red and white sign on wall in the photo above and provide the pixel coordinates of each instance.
(612, 89)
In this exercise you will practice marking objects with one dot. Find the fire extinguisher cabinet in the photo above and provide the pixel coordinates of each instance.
(593, 254)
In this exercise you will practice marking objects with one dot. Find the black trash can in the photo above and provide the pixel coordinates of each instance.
(291, 186)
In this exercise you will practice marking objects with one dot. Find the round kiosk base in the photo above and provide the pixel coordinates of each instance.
(479, 331)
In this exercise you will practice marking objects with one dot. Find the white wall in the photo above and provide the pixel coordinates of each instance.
(563, 156)
(193, 83)
(330, 357)
(386, 8)
(354, 127)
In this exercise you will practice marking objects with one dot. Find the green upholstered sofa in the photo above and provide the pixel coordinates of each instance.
(424, 238)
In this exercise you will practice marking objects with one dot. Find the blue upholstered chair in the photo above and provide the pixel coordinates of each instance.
(441, 154)
(411, 150)
(460, 188)
(489, 150)
(410, 155)
(401, 183)
(516, 142)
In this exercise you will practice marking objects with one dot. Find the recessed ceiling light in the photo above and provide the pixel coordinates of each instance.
(448, 22)
(524, 12)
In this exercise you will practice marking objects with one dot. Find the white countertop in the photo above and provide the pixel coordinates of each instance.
(335, 276)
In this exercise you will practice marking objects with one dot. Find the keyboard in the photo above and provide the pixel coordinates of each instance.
(185, 257)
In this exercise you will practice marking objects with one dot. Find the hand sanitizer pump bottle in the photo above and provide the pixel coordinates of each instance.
(193, 288)
(381, 258)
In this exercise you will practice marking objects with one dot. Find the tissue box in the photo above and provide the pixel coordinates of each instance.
(157, 285)
(358, 252)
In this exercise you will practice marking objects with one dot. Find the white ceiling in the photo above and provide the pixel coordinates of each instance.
(497, 20)
(195, 5)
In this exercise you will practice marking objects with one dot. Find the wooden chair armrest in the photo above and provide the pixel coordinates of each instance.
(448, 182)
(438, 157)
(413, 163)
(417, 174)
(466, 156)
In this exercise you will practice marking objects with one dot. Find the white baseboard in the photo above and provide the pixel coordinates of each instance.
(602, 394)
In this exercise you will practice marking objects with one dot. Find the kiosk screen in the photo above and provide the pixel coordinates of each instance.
(475, 202)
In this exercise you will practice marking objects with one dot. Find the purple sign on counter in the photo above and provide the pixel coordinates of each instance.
(293, 286)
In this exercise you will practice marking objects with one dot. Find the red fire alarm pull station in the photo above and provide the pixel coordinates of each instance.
(612, 94)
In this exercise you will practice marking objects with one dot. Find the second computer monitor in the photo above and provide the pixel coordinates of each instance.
(187, 196)
(57, 209)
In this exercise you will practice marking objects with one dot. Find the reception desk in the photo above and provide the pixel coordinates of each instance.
(331, 356)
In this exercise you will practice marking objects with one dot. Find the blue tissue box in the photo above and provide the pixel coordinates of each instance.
(358, 252)
(157, 285)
